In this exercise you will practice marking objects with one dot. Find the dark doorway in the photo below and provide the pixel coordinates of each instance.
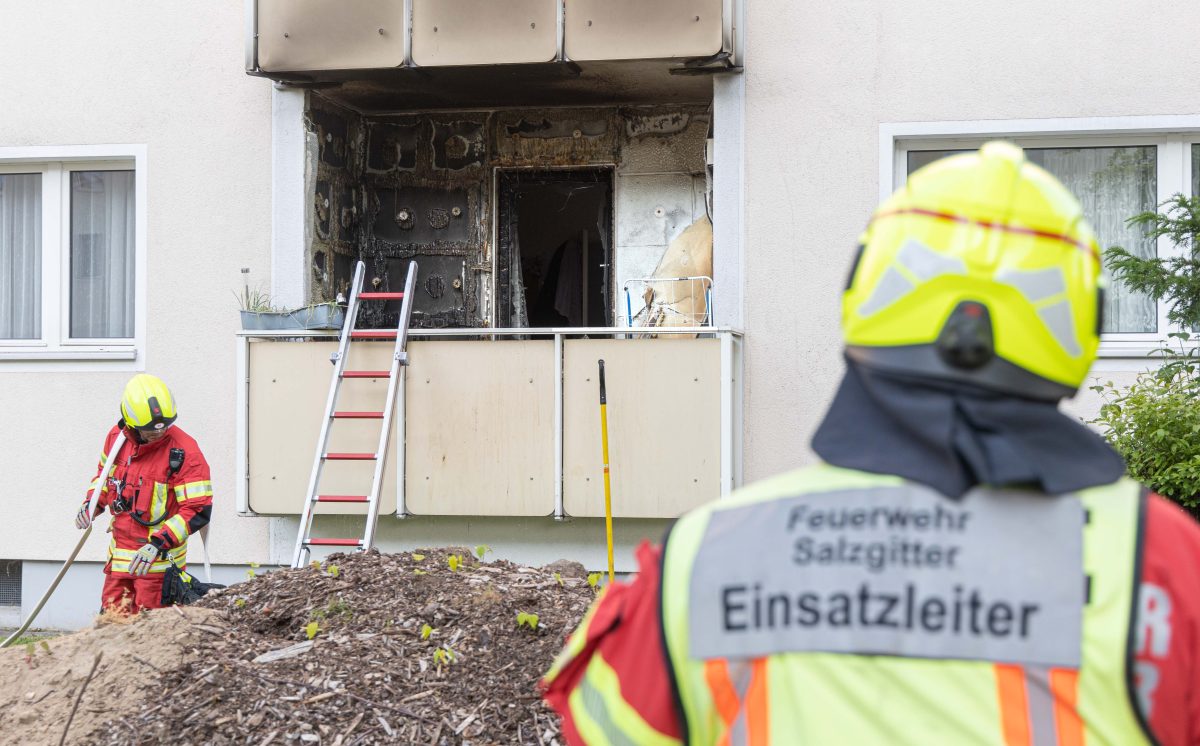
(555, 252)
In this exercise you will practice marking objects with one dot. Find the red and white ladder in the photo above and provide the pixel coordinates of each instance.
(304, 539)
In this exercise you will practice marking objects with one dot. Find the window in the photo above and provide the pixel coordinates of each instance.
(1114, 175)
(71, 255)
(10, 583)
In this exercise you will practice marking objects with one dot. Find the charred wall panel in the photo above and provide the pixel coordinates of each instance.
(337, 198)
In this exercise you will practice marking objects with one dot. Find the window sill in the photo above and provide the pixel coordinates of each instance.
(37, 354)
(1131, 355)
(1139, 350)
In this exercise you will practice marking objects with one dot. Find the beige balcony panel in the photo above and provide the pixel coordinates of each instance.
(288, 385)
(663, 426)
(299, 35)
(642, 29)
(481, 428)
(484, 32)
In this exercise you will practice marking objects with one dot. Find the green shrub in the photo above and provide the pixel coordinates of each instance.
(1155, 425)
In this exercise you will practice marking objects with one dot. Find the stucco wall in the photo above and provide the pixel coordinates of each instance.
(169, 76)
(822, 77)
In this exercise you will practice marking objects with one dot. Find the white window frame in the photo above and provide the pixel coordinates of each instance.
(1173, 136)
(56, 350)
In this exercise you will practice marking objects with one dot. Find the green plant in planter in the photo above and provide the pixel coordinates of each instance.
(256, 300)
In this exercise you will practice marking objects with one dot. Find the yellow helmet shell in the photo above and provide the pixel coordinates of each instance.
(986, 228)
(147, 403)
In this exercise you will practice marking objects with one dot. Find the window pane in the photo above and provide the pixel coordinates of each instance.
(20, 256)
(1196, 170)
(1112, 184)
(102, 229)
(919, 158)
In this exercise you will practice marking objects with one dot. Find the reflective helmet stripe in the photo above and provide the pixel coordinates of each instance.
(992, 225)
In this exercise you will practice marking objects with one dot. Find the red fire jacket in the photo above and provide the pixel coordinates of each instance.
(626, 629)
(176, 504)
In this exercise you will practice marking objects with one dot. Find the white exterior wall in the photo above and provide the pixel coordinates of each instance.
(821, 80)
(167, 77)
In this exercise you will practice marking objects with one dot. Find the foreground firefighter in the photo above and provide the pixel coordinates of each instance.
(967, 565)
(159, 492)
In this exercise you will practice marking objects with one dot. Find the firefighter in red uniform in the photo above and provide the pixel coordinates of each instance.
(159, 492)
(966, 565)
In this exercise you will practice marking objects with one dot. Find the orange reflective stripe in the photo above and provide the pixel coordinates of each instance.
(758, 724)
(1064, 685)
(1014, 705)
(725, 698)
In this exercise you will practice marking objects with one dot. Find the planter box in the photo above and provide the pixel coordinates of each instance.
(311, 317)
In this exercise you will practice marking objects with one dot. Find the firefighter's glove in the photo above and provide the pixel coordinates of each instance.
(83, 518)
(142, 559)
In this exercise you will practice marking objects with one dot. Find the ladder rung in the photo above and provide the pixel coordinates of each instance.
(342, 498)
(334, 542)
(359, 415)
(350, 456)
(372, 334)
(380, 296)
(366, 374)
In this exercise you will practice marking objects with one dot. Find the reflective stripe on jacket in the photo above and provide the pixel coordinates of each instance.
(831, 606)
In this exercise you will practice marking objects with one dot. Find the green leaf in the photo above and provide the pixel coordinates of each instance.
(594, 579)
(481, 550)
(239, 603)
(426, 631)
(418, 557)
(454, 561)
(251, 574)
(334, 570)
(527, 620)
(443, 656)
(558, 577)
(418, 572)
(311, 629)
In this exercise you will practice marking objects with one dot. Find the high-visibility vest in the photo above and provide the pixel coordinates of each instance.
(831, 606)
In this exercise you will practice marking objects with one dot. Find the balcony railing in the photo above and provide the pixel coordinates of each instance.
(501, 422)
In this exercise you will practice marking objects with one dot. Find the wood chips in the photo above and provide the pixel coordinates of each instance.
(404, 650)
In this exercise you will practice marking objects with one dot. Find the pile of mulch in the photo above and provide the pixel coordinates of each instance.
(403, 649)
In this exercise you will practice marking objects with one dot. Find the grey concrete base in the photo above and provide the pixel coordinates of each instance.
(527, 541)
(10, 616)
(76, 602)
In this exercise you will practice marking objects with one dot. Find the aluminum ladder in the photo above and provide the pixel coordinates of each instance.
(304, 539)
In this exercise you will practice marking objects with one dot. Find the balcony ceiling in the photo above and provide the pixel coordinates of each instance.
(502, 86)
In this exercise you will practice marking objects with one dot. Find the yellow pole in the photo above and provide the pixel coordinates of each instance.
(607, 482)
